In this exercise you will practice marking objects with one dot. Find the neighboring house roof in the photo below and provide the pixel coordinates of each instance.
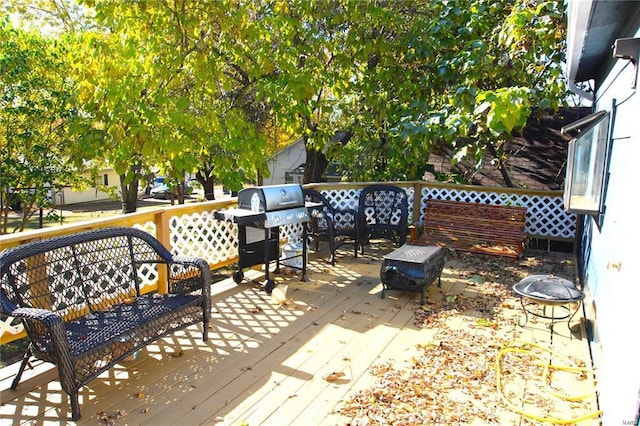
(537, 159)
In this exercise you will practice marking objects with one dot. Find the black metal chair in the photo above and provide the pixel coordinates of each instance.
(382, 213)
(332, 224)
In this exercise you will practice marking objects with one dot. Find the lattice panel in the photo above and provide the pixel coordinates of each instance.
(148, 227)
(202, 235)
(410, 195)
(293, 231)
(546, 217)
(10, 327)
(148, 274)
(344, 198)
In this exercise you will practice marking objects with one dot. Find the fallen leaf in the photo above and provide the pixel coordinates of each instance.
(330, 377)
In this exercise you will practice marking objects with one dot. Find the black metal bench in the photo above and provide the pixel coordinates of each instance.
(80, 300)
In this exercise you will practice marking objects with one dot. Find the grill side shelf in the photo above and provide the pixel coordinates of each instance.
(241, 217)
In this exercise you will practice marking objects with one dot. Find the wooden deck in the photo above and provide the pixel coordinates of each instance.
(268, 363)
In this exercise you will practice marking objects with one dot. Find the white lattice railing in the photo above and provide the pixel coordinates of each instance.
(192, 230)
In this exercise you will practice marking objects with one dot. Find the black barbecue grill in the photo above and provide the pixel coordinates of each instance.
(260, 213)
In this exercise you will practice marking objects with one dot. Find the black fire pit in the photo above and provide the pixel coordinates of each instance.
(548, 290)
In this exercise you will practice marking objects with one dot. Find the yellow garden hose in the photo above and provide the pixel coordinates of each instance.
(546, 378)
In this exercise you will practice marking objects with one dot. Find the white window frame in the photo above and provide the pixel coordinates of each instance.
(587, 166)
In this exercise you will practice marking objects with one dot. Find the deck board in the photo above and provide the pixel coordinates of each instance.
(355, 333)
(265, 363)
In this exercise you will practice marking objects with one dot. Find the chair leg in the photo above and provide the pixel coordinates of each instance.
(332, 251)
(25, 361)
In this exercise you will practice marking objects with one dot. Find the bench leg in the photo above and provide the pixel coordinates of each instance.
(75, 406)
(25, 361)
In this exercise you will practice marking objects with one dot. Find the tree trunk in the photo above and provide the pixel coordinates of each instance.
(129, 195)
(316, 162)
(501, 165)
(315, 166)
(180, 192)
(208, 183)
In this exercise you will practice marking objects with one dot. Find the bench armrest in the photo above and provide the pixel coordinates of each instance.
(47, 318)
(48, 335)
(189, 281)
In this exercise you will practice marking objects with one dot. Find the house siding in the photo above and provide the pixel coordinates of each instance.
(285, 160)
(610, 266)
(74, 196)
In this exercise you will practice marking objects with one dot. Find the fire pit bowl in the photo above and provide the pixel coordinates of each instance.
(548, 290)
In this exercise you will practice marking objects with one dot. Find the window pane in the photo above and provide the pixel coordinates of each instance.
(586, 168)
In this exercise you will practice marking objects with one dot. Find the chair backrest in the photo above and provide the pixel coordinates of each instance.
(383, 206)
(342, 220)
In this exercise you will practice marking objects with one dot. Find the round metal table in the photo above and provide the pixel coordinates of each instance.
(548, 290)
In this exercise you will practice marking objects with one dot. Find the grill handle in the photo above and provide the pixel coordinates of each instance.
(286, 203)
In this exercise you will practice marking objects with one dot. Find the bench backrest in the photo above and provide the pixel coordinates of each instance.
(80, 273)
(440, 210)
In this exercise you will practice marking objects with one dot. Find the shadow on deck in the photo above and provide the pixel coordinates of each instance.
(334, 352)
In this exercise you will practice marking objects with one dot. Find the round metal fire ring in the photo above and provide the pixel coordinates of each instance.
(548, 290)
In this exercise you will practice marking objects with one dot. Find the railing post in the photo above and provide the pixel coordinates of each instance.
(163, 234)
(417, 201)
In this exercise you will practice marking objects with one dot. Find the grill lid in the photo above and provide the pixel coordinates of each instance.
(268, 206)
(271, 198)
